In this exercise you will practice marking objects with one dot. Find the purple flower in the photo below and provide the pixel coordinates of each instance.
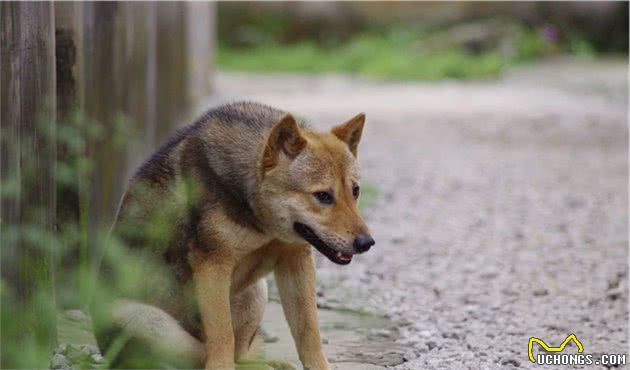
(550, 33)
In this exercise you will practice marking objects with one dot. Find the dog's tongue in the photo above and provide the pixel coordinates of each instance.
(344, 257)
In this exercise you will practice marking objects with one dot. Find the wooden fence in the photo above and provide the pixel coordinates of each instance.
(143, 65)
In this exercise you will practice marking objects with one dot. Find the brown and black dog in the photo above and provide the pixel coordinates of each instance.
(238, 194)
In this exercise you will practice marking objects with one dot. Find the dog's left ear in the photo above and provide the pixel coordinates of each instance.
(350, 132)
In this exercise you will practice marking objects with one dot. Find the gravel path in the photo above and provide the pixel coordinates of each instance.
(502, 208)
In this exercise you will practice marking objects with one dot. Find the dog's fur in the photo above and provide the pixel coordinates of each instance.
(235, 197)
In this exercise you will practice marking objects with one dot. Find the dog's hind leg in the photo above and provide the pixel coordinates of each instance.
(151, 338)
(248, 309)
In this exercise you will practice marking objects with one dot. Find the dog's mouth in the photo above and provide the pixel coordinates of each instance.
(309, 235)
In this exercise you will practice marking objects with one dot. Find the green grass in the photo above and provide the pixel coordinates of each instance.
(396, 53)
(369, 56)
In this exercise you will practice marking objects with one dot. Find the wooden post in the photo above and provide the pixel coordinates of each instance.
(101, 82)
(27, 119)
(200, 44)
(68, 204)
(139, 98)
(171, 57)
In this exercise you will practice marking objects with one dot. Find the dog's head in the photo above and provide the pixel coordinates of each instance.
(309, 187)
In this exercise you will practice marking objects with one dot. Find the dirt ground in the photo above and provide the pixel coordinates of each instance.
(501, 212)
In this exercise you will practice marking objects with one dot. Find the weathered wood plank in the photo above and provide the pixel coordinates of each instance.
(171, 57)
(27, 116)
(101, 83)
(139, 99)
(200, 44)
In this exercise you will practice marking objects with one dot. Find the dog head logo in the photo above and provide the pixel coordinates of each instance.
(547, 348)
(309, 187)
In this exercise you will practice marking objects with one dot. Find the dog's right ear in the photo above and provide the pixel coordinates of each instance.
(285, 138)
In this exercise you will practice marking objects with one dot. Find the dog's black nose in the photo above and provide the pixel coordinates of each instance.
(363, 243)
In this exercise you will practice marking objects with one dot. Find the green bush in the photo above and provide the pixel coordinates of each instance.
(398, 53)
(530, 45)
(365, 56)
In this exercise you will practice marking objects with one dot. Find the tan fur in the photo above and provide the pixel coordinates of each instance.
(212, 286)
(280, 167)
(295, 277)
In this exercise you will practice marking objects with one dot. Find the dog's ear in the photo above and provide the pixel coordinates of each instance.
(285, 137)
(350, 132)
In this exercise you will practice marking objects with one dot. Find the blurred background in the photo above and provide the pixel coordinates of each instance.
(495, 163)
(413, 40)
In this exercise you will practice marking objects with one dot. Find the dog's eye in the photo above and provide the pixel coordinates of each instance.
(324, 197)
(356, 190)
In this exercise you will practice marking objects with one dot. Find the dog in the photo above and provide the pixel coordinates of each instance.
(244, 191)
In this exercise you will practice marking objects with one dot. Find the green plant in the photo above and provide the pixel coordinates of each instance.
(401, 53)
(46, 251)
(530, 45)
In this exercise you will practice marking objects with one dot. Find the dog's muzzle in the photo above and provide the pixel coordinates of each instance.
(310, 236)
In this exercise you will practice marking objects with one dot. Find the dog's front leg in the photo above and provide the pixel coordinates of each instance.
(295, 277)
(212, 285)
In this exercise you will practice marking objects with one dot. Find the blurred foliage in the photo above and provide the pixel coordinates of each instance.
(30, 349)
(476, 50)
(32, 248)
(62, 279)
